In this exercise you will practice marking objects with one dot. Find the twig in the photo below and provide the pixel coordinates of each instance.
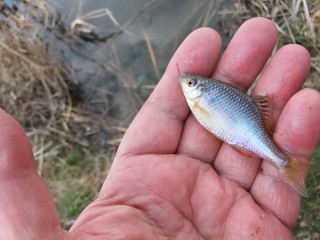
(151, 54)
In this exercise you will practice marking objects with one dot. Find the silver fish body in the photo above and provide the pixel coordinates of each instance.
(237, 119)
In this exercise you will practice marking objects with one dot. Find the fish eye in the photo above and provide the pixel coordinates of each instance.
(191, 82)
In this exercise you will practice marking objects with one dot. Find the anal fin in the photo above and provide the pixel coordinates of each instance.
(244, 152)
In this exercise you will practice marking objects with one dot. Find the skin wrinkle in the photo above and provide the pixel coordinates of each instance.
(193, 193)
(240, 165)
(269, 227)
(239, 183)
(119, 201)
(154, 222)
(190, 193)
(190, 155)
(235, 160)
(274, 195)
(223, 228)
(231, 205)
(194, 222)
(189, 217)
(271, 214)
(225, 235)
(154, 219)
(96, 213)
(115, 218)
(285, 208)
(155, 194)
(274, 181)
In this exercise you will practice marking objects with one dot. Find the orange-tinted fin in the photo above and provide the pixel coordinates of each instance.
(265, 105)
(295, 174)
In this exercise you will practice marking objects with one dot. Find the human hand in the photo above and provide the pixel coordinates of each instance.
(171, 179)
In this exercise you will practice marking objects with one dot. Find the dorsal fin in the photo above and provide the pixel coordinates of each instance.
(265, 105)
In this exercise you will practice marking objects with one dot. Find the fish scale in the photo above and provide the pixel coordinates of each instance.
(239, 120)
(238, 113)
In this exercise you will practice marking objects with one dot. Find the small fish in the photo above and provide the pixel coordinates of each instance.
(241, 121)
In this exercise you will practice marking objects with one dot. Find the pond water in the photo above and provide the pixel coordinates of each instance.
(109, 53)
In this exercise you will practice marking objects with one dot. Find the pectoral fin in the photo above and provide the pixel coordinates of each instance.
(201, 111)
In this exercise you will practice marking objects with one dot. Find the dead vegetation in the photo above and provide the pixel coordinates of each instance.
(34, 89)
(298, 21)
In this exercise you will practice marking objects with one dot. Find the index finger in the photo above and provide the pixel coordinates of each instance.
(157, 127)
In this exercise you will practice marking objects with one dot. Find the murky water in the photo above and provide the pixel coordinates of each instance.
(109, 52)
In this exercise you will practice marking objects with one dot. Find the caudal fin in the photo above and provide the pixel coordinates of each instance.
(295, 174)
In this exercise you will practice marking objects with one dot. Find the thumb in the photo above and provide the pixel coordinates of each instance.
(25, 202)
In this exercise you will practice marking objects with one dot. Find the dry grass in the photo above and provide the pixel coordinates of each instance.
(41, 94)
(298, 21)
(34, 89)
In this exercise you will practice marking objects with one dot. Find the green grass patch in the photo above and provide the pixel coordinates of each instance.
(73, 201)
(74, 158)
(308, 226)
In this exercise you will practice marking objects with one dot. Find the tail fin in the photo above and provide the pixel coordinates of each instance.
(295, 174)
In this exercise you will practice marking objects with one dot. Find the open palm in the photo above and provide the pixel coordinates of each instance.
(171, 179)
